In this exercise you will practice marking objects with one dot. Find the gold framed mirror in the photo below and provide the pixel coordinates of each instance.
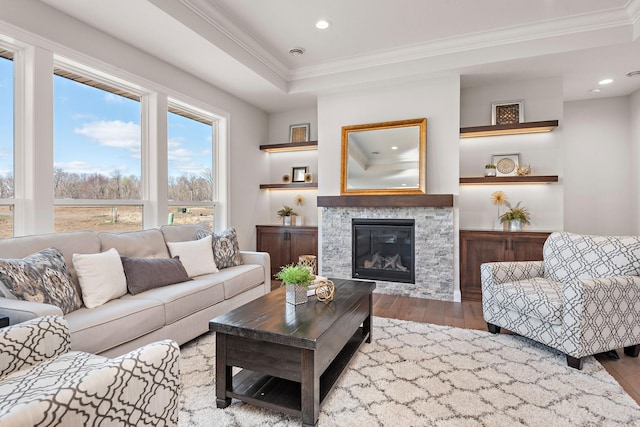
(384, 158)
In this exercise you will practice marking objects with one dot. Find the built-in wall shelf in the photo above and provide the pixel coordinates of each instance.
(292, 186)
(290, 146)
(497, 180)
(508, 129)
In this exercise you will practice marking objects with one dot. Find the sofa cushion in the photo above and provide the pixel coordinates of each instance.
(195, 255)
(536, 297)
(149, 273)
(241, 278)
(136, 244)
(41, 277)
(184, 299)
(101, 277)
(114, 323)
(226, 250)
(182, 232)
(569, 256)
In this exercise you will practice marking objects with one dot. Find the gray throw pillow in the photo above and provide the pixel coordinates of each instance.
(150, 273)
(226, 251)
(41, 277)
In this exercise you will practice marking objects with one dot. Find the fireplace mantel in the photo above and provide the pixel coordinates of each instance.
(387, 201)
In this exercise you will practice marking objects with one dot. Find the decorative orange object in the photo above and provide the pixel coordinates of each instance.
(325, 291)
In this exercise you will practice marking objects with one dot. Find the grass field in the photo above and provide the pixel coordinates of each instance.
(105, 218)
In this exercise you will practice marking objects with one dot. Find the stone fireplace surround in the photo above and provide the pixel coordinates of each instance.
(434, 239)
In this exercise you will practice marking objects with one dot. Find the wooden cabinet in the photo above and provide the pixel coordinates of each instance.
(286, 244)
(477, 247)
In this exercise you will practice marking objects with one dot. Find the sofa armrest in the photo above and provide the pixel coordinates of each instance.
(20, 311)
(601, 314)
(503, 272)
(263, 259)
(138, 388)
(32, 342)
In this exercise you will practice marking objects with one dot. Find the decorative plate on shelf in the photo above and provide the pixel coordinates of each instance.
(506, 164)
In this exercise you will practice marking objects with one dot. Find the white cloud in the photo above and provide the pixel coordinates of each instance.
(82, 116)
(113, 133)
(184, 160)
(111, 98)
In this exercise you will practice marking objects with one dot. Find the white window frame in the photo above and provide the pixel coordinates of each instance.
(144, 201)
(220, 160)
(11, 202)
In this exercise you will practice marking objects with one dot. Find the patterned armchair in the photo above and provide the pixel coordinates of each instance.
(43, 383)
(582, 299)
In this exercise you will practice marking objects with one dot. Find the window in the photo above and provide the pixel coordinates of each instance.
(97, 155)
(191, 186)
(6, 144)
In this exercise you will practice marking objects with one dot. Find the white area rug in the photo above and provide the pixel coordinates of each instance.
(416, 374)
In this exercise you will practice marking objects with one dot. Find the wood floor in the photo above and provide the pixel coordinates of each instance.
(468, 314)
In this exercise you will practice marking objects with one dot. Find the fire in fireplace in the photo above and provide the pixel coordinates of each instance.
(383, 249)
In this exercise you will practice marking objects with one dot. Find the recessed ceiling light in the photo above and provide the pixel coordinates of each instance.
(635, 73)
(323, 24)
(595, 90)
(296, 51)
(394, 148)
(605, 81)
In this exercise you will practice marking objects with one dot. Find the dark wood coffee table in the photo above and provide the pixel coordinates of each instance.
(291, 355)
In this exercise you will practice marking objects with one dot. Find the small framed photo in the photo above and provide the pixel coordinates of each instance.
(507, 112)
(506, 164)
(298, 173)
(299, 132)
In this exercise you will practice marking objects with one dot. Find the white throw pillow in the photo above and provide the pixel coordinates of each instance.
(196, 256)
(101, 277)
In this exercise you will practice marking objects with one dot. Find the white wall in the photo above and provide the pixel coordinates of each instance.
(599, 168)
(634, 119)
(543, 152)
(282, 163)
(36, 24)
(438, 100)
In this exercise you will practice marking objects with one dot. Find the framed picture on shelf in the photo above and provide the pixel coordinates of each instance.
(299, 132)
(298, 173)
(506, 164)
(507, 112)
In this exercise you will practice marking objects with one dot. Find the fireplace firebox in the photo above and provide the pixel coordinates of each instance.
(383, 249)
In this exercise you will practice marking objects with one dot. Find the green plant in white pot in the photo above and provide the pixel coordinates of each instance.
(515, 217)
(297, 279)
(286, 213)
(489, 170)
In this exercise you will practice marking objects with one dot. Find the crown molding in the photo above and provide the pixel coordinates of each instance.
(575, 25)
(216, 17)
(626, 16)
(633, 10)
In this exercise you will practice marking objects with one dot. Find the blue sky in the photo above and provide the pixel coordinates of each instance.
(6, 117)
(99, 132)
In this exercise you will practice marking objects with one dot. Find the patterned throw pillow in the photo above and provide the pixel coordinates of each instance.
(569, 256)
(41, 277)
(226, 250)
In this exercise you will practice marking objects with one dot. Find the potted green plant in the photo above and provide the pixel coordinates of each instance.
(489, 170)
(286, 213)
(515, 217)
(297, 279)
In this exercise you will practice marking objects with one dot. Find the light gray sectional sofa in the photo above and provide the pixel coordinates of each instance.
(178, 311)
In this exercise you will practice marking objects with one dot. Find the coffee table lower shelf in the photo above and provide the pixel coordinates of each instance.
(284, 395)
